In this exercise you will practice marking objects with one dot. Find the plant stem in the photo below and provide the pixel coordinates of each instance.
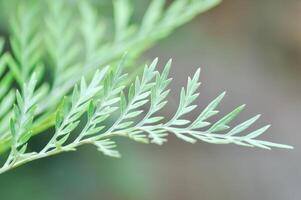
(42, 154)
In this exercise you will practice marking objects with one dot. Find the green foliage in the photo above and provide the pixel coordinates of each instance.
(56, 66)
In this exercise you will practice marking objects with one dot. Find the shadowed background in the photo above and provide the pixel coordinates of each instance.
(251, 49)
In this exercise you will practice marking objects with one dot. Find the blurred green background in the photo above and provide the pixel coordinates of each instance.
(252, 49)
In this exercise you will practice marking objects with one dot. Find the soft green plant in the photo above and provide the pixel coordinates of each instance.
(54, 54)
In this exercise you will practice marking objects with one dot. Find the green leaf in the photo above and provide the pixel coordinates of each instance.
(243, 126)
(107, 147)
(208, 112)
(122, 13)
(222, 124)
(152, 16)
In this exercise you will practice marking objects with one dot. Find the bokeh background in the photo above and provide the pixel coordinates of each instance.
(251, 49)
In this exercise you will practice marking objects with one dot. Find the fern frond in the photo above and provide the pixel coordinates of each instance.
(92, 31)
(129, 39)
(7, 94)
(65, 76)
(81, 98)
(60, 46)
(46, 40)
(104, 95)
(21, 123)
(25, 43)
(24, 59)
